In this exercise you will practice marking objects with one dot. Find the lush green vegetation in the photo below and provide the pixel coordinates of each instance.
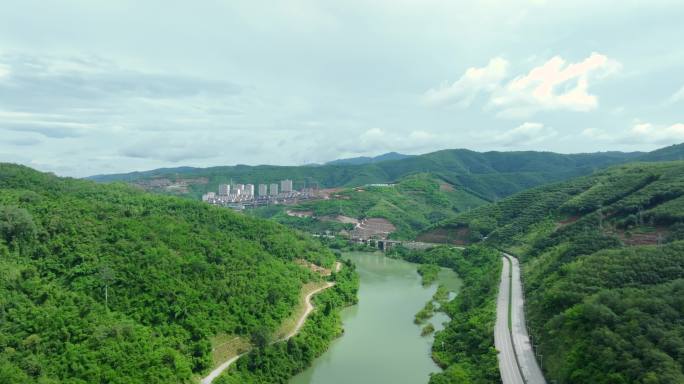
(412, 205)
(603, 269)
(428, 329)
(276, 363)
(425, 313)
(104, 283)
(429, 273)
(490, 175)
(613, 316)
(465, 348)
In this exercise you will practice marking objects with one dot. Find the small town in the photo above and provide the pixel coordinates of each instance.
(241, 196)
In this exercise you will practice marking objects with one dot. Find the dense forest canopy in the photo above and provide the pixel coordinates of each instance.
(105, 283)
(603, 268)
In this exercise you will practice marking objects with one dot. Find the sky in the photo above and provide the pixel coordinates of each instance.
(91, 87)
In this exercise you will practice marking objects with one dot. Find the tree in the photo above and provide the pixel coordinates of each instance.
(106, 275)
(16, 225)
(261, 337)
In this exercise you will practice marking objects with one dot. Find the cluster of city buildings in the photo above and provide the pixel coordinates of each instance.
(238, 196)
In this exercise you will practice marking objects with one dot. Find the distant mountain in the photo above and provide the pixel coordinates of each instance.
(488, 175)
(673, 152)
(368, 160)
(136, 175)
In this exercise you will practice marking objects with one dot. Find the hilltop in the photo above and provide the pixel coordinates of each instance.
(603, 266)
(106, 283)
(368, 160)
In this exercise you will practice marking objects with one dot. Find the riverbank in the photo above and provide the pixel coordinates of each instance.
(233, 347)
(279, 361)
(381, 343)
(465, 348)
(238, 346)
(294, 324)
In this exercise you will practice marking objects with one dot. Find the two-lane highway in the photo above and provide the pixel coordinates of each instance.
(517, 362)
(508, 366)
(521, 339)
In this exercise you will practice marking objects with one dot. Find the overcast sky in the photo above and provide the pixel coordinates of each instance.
(90, 87)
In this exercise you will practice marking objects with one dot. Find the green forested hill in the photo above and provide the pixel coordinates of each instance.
(603, 261)
(489, 175)
(413, 204)
(106, 284)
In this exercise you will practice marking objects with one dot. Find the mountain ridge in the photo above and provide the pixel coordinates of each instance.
(366, 159)
(491, 175)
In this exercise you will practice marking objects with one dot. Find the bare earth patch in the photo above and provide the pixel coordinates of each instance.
(340, 219)
(299, 213)
(373, 227)
(446, 187)
(313, 267)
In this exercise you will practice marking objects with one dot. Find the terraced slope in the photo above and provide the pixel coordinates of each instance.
(603, 264)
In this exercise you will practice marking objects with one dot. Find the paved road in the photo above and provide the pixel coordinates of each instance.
(521, 339)
(508, 366)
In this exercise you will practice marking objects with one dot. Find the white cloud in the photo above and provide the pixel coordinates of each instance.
(525, 134)
(640, 133)
(554, 85)
(473, 81)
(421, 136)
(376, 140)
(658, 134)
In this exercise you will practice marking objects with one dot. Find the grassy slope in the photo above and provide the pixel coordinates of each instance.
(176, 273)
(604, 305)
(413, 204)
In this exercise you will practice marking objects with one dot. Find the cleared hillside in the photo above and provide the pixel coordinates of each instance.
(413, 204)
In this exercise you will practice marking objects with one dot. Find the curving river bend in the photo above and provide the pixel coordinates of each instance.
(381, 344)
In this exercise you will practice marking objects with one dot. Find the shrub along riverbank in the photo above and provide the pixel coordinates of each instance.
(465, 348)
(277, 363)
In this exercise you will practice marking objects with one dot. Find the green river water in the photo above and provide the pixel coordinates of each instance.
(381, 344)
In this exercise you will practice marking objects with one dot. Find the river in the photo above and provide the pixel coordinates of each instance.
(381, 344)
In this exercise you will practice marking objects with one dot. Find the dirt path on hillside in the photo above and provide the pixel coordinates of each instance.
(300, 323)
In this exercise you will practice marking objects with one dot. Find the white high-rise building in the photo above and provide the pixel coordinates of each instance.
(263, 189)
(273, 189)
(249, 189)
(240, 189)
(224, 189)
(286, 185)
